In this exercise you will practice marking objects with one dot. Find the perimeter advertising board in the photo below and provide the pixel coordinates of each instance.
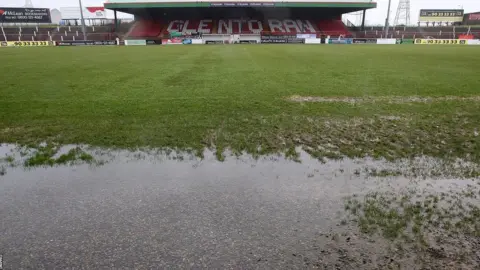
(153, 42)
(25, 15)
(26, 43)
(440, 41)
(340, 41)
(172, 41)
(87, 43)
(364, 41)
(441, 15)
(388, 41)
(279, 39)
(135, 42)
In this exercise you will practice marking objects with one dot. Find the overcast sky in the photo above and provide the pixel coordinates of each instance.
(374, 16)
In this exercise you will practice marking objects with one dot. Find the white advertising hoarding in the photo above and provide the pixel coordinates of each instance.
(135, 42)
(473, 42)
(387, 41)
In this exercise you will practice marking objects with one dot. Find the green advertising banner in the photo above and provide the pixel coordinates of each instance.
(405, 41)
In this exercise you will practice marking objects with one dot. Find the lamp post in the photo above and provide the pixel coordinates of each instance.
(387, 20)
(83, 20)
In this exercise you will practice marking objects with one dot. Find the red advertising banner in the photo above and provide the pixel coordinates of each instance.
(465, 36)
(172, 41)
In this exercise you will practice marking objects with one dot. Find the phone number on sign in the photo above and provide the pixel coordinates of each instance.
(26, 43)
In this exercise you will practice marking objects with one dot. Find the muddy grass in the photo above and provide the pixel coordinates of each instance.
(437, 228)
(383, 136)
(382, 99)
(45, 155)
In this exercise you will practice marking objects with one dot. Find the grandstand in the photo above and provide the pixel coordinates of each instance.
(159, 19)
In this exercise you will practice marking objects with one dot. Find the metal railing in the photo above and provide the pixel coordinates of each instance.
(74, 37)
(3, 32)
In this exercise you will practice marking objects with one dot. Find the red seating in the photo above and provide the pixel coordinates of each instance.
(333, 28)
(146, 29)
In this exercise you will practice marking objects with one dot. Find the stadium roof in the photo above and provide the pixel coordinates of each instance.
(346, 4)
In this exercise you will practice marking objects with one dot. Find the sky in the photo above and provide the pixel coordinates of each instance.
(374, 17)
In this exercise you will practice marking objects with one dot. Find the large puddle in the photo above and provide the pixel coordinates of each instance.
(154, 210)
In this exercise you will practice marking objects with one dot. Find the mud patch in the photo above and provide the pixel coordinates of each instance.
(382, 99)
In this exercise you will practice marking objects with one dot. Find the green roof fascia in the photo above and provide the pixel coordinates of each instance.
(207, 4)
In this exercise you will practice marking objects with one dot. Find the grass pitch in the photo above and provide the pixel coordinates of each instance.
(242, 98)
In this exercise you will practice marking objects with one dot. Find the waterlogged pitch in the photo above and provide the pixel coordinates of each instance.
(381, 167)
(334, 101)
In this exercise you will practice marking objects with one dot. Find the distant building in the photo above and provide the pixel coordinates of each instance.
(56, 16)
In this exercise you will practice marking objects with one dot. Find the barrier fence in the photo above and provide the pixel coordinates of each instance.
(239, 39)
